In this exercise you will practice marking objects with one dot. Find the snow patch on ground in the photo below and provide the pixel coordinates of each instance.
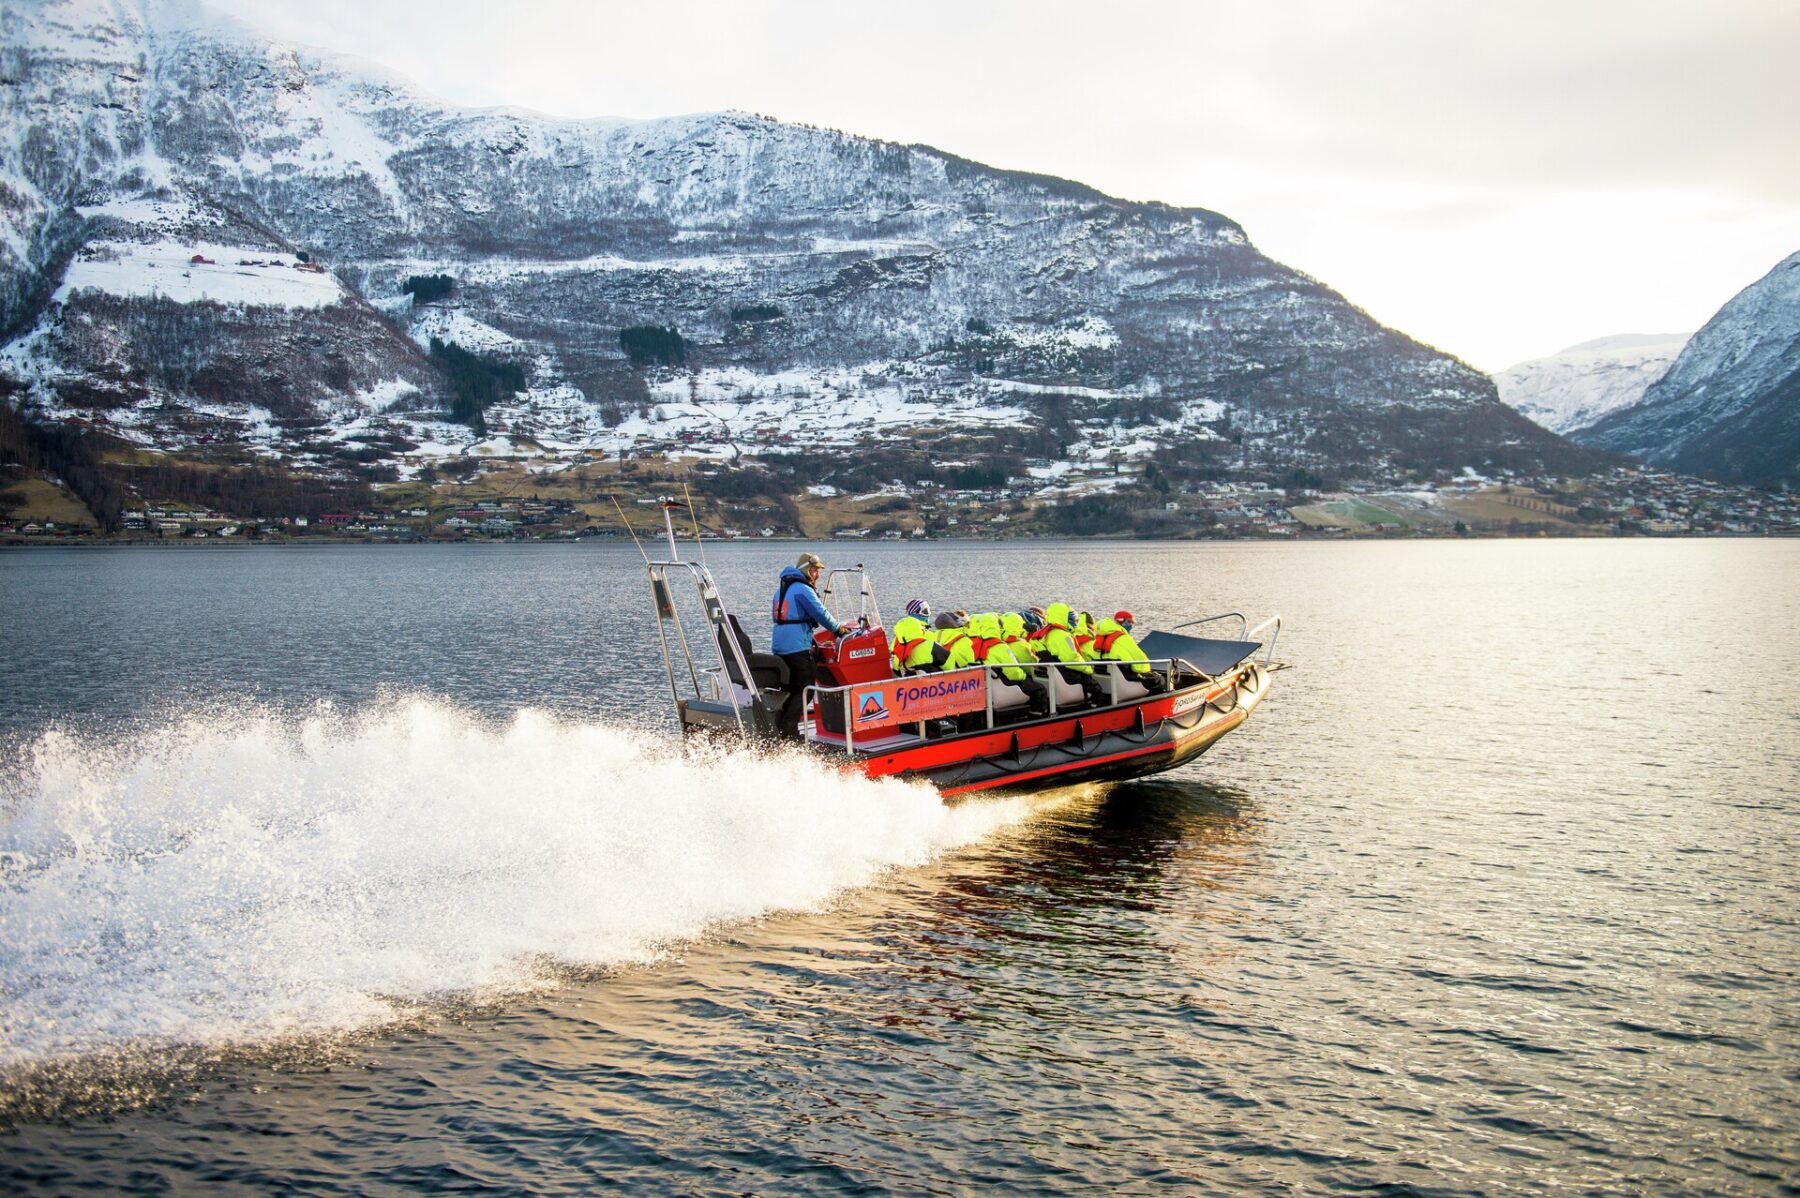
(999, 386)
(734, 409)
(833, 245)
(231, 275)
(386, 393)
(456, 325)
(149, 213)
(1088, 332)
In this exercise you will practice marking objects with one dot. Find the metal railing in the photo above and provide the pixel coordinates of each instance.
(722, 638)
(1254, 633)
(867, 609)
(1240, 617)
(816, 695)
(1245, 632)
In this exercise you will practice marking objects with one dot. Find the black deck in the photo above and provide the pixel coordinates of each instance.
(1207, 655)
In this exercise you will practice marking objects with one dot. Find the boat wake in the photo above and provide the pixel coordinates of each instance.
(228, 880)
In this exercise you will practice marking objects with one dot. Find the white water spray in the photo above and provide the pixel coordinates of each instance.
(230, 880)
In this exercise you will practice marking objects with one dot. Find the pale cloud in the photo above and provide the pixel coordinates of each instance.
(1500, 179)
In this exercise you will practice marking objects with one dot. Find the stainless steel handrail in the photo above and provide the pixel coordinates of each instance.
(867, 608)
(1254, 633)
(717, 618)
(1243, 623)
(1245, 632)
(815, 695)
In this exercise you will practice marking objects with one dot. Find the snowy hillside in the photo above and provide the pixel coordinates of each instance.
(1575, 387)
(818, 288)
(1729, 407)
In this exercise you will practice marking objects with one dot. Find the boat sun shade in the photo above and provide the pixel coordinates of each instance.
(1207, 655)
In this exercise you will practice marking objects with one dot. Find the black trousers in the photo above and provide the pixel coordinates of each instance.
(801, 675)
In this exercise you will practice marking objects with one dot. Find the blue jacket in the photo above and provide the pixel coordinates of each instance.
(801, 604)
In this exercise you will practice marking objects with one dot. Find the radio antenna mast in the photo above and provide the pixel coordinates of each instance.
(668, 507)
(629, 529)
(695, 514)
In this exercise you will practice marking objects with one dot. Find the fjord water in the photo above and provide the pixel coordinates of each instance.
(375, 870)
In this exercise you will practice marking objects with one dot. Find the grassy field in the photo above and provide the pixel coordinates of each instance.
(40, 501)
(1349, 513)
(1492, 507)
(1478, 509)
(592, 487)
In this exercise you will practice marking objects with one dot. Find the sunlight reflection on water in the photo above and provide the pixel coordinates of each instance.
(1493, 894)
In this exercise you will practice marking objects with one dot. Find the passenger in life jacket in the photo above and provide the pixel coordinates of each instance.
(1058, 644)
(950, 627)
(1113, 642)
(796, 611)
(1083, 631)
(1014, 627)
(914, 649)
(986, 645)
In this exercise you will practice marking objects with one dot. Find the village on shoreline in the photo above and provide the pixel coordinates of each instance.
(1627, 501)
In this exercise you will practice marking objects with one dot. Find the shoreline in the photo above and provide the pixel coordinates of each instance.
(178, 544)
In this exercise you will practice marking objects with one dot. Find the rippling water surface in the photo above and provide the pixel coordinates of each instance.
(374, 870)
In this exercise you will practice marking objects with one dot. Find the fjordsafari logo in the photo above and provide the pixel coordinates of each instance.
(872, 711)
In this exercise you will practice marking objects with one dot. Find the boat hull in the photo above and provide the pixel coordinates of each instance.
(1129, 740)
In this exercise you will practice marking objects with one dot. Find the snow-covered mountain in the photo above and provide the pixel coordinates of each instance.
(169, 177)
(1575, 387)
(1729, 408)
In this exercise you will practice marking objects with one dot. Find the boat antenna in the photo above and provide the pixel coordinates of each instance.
(696, 517)
(629, 529)
(668, 506)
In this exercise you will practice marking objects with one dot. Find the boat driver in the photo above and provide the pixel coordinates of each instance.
(796, 611)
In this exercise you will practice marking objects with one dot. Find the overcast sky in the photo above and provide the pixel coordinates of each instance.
(1499, 178)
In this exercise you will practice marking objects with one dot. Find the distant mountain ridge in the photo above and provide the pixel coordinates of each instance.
(808, 274)
(1729, 406)
(1577, 386)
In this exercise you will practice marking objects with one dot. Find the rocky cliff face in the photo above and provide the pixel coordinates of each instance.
(809, 274)
(1576, 387)
(1729, 407)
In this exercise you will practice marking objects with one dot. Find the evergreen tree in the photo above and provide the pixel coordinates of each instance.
(426, 288)
(476, 381)
(649, 344)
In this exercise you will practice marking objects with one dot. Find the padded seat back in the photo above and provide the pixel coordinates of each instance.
(770, 672)
(1006, 695)
(1125, 686)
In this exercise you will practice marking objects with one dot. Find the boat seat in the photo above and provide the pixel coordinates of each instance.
(1068, 694)
(770, 672)
(1006, 696)
(1125, 687)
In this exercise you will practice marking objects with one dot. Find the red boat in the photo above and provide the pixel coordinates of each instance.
(963, 730)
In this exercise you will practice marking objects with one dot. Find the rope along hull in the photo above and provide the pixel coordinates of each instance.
(1130, 740)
